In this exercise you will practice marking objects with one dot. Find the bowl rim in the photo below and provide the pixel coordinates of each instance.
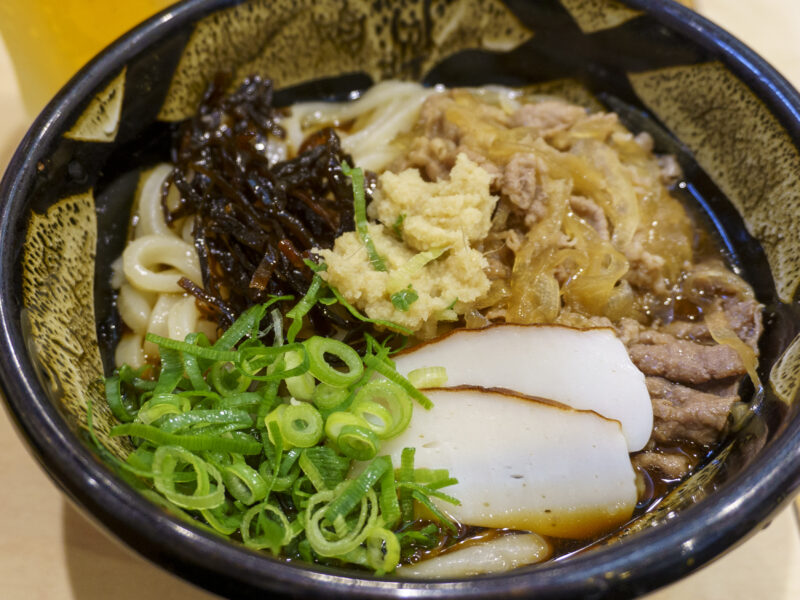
(647, 561)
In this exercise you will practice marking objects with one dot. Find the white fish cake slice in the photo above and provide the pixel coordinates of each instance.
(523, 464)
(585, 369)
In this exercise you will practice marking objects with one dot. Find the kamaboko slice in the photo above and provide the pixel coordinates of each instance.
(585, 369)
(523, 464)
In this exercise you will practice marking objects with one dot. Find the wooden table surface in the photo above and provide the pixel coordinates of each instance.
(49, 551)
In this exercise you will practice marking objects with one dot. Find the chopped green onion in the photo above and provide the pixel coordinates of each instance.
(406, 473)
(300, 309)
(339, 419)
(392, 399)
(376, 416)
(346, 537)
(356, 176)
(358, 442)
(205, 495)
(225, 518)
(115, 401)
(199, 418)
(302, 490)
(228, 379)
(356, 489)
(300, 386)
(162, 405)
(390, 506)
(193, 443)
(244, 400)
(274, 418)
(327, 397)
(427, 377)
(438, 514)
(397, 226)
(244, 483)
(256, 359)
(272, 533)
(323, 467)
(392, 375)
(317, 347)
(383, 550)
(403, 299)
(301, 425)
(246, 325)
(191, 363)
(217, 435)
(401, 278)
(381, 323)
(193, 349)
(171, 371)
(429, 491)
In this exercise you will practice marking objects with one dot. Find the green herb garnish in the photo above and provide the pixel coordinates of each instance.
(397, 227)
(403, 299)
(356, 176)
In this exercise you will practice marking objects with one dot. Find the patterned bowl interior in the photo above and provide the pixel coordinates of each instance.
(742, 165)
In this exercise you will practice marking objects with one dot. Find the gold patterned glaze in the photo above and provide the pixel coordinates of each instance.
(100, 120)
(596, 15)
(381, 38)
(58, 295)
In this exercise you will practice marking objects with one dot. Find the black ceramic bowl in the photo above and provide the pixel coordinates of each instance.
(733, 122)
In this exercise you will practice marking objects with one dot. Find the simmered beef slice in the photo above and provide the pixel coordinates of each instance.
(548, 117)
(673, 465)
(742, 314)
(684, 361)
(683, 413)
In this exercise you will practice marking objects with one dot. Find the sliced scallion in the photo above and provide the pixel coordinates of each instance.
(301, 425)
(317, 347)
(356, 176)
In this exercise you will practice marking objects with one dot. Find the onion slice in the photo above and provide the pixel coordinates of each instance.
(493, 556)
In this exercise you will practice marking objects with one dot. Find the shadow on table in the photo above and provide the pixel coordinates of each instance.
(101, 568)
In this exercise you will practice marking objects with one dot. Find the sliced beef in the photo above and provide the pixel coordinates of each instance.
(684, 413)
(519, 182)
(672, 465)
(743, 315)
(548, 117)
(684, 361)
(745, 318)
(589, 211)
(433, 156)
(731, 294)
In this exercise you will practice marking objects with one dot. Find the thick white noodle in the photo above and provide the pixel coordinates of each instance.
(158, 323)
(149, 210)
(129, 350)
(144, 257)
(385, 111)
(182, 318)
(147, 274)
(134, 306)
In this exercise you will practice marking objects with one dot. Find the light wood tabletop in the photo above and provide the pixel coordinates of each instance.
(49, 551)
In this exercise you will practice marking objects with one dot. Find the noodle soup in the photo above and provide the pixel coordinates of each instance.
(429, 221)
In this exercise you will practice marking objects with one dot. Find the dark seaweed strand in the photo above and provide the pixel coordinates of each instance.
(256, 222)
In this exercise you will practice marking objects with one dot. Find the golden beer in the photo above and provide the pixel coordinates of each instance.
(50, 40)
